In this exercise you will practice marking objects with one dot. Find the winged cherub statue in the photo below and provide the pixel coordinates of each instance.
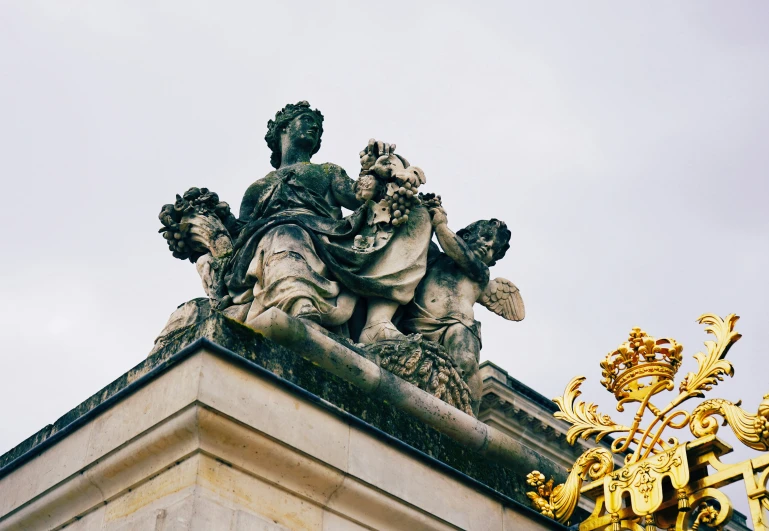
(457, 278)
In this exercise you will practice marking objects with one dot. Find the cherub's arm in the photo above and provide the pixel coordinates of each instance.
(457, 249)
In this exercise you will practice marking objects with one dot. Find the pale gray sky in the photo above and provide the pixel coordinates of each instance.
(625, 145)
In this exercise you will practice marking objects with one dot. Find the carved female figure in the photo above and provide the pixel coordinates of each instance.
(297, 253)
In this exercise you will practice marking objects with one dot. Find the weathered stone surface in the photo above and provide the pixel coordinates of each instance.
(426, 365)
(379, 414)
(457, 278)
(205, 436)
(292, 249)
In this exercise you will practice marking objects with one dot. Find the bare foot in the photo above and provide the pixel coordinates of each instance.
(304, 309)
(379, 332)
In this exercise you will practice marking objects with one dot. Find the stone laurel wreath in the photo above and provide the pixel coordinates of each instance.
(179, 231)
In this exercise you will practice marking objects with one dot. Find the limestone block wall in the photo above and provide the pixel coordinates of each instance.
(206, 440)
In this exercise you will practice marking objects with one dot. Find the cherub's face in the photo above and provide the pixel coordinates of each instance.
(483, 244)
(386, 165)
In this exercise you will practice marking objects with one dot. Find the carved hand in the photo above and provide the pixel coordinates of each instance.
(208, 234)
(374, 150)
(438, 216)
(412, 176)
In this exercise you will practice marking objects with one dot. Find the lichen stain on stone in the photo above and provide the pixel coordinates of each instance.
(377, 412)
(224, 484)
(170, 481)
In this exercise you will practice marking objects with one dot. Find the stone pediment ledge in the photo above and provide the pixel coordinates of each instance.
(329, 374)
(508, 401)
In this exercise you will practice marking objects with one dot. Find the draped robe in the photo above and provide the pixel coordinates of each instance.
(296, 245)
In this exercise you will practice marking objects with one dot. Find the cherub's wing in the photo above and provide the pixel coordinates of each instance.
(503, 298)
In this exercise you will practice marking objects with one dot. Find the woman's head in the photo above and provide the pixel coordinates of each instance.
(301, 123)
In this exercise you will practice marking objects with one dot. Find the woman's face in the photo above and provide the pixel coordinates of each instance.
(303, 130)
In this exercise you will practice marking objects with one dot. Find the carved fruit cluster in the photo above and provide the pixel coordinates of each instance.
(176, 231)
(761, 425)
(430, 201)
(401, 199)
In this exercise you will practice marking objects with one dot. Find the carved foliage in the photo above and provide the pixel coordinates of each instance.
(713, 366)
(583, 416)
(751, 430)
(560, 501)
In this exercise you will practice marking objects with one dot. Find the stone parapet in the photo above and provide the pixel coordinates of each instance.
(221, 428)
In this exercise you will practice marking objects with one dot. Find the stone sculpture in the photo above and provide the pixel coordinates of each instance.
(354, 276)
(457, 278)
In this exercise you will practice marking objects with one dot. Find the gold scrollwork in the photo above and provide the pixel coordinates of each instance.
(751, 430)
(643, 481)
(712, 366)
(560, 501)
(584, 417)
(637, 372)
(705, 512)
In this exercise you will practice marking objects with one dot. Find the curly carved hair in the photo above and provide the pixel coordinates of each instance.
(282, 118)
(501, 242)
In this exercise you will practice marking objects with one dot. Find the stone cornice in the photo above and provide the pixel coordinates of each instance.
(47, 494)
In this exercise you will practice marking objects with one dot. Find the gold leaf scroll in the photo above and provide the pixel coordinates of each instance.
(713, 366)
(584, 416)
(751, 430)
(595, 463)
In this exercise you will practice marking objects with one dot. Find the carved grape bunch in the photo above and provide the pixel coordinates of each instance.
(430, 200)
(402, 199)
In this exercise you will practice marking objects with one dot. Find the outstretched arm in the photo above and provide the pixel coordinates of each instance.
(457, 249)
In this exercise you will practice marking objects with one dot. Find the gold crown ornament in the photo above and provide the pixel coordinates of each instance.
(641, 367)
(637, 371)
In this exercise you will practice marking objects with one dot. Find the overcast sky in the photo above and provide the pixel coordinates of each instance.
(626, 146)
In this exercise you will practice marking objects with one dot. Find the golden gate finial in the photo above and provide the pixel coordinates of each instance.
(637, 372)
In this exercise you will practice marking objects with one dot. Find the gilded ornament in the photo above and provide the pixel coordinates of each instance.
(635, 373)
